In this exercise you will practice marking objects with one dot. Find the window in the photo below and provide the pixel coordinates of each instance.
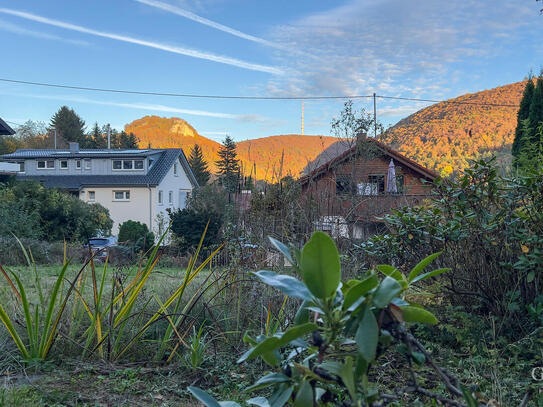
(121, 195)
(22, 166)
(92, 196)
(127, 165)
(344, 185)
(87, 164)
(379, 181)
(46, 164)
(160, 197)
(63, 164)
(175, 169)
(77, 164)
(170, 197)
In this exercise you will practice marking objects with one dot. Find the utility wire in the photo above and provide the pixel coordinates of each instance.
(201, 96)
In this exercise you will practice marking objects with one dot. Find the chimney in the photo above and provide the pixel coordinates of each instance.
(74, 147)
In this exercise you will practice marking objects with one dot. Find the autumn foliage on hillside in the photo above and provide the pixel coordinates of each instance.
(269, 158)
(444, 136)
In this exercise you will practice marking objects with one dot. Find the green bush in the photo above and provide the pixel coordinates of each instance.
(30, 210)
(136, 234)
(490, 228)
(187, 225)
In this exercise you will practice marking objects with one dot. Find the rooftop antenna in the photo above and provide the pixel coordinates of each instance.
(302, 117)
(108, 137)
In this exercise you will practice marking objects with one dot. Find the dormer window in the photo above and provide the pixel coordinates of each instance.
(127, 165)
(46, 164)
(63, 164)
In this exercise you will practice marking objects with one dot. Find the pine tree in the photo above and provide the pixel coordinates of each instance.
(69, 126)
(522, 115)
(536, 115)
(228, 165)
(128, 140)
(198, 164)
(96, 138)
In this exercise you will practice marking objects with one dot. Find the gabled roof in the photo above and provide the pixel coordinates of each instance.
(5, 130)
(400, 158)
(154, 176)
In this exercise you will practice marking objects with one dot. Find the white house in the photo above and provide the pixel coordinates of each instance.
(137, 185)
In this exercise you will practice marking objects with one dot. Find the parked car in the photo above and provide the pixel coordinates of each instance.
(100, 245)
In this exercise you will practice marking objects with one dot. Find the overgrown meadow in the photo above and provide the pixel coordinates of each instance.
(444, 308)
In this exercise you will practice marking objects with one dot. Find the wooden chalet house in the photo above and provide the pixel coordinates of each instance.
(351, 191)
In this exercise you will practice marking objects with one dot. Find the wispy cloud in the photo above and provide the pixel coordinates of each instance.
(141, 106)
(393, 47)
(195, 17)
(146, 43)
(15, 29)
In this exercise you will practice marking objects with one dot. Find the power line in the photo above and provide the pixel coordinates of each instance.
(202, 96)
(185, 95)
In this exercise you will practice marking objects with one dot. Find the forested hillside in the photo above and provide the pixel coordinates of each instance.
(445, 136)
(264, 158)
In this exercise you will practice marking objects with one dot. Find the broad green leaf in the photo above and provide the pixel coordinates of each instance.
(434, 273)
(367, 335)
(321, 269)
(228, 404)
(304, 397)
(287, 284)
(302, 315)
(471, 402)
(386, 291)
(421, 266)
(283, 248)
(281, 396)
(358, 290)
(268, 380)
(346, 374)
(391, 271)
(416, 314)
(259, 401)
(277, 341)
(203, 397)
(530, 277)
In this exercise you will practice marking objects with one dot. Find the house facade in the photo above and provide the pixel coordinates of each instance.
(354, 189)
(137, 185)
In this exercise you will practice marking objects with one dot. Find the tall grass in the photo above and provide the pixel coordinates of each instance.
(105, 322)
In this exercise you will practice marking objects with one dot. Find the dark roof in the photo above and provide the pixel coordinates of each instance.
(416, 167)
(88, 153)
(5, 130)
(154, 176)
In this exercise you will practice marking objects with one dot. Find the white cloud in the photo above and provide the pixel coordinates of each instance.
(142, 106)
(393, 47)
(195, 17)
(146, 43)
(15, 29)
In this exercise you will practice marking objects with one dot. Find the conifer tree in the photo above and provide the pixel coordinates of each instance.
(536, 114)
(198, 164)
(69, 126)
(522, 115)
(228, 165)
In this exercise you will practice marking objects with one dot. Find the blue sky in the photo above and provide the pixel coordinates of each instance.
(423, 49)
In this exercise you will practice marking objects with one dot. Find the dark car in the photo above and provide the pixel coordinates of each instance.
(99, 245)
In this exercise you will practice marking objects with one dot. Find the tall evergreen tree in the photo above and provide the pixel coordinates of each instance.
(128, 140)
(198, 164)
(522, 115)
(536, 114)
(69, 126)
(228, 165)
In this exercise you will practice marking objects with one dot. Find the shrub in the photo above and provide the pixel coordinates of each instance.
(329, 358)
(187, 224)
(33, 211)
(490, 228)
(136, 234)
